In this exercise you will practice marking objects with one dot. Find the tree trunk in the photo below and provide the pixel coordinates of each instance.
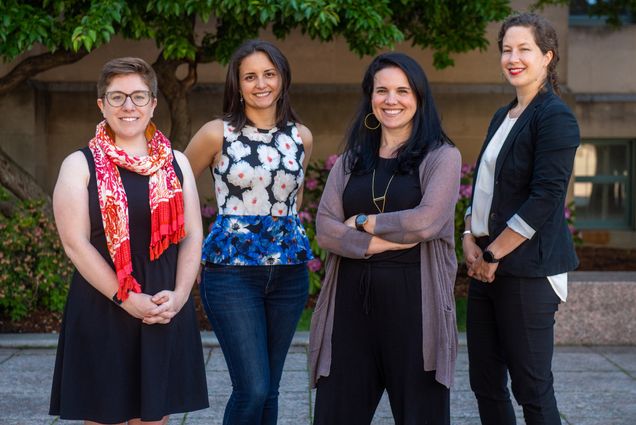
(13, 177)
(176, 93)
(33, 65)
(20, 183)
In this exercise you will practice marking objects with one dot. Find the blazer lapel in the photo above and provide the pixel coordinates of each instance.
(522, 121)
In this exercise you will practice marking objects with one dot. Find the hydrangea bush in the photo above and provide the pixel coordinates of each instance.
(34, 271)
(315, 180)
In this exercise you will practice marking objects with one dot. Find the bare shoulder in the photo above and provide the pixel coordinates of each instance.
(305, 134)
(181, 159)
(209, 136)
(74, 167)
(212, 129)
(203, 150)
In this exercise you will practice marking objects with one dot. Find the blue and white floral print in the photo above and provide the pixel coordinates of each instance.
(256, 181)
(247, 240)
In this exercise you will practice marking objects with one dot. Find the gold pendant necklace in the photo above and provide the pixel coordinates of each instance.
(380, 198)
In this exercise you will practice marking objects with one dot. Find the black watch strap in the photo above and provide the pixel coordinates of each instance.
(489, 257)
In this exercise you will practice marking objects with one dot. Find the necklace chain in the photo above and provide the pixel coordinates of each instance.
(380, 198)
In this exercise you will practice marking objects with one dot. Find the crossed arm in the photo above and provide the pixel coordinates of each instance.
(393, 230)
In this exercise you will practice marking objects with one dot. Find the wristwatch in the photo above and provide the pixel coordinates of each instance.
(361, 220)
(489, 257)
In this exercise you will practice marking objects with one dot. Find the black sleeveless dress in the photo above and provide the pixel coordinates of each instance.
(110, 367)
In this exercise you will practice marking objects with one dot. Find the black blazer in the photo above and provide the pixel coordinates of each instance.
(532, 173)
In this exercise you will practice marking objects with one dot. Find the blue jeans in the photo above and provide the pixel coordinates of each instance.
(254, 311)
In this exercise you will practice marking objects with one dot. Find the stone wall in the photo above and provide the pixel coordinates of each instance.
(600, 310)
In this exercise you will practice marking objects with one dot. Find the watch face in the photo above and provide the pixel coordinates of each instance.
(361, 219)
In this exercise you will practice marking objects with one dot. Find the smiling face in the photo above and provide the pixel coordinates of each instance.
(260, 82)
(128, 121)
(522, 61)
(393, 101)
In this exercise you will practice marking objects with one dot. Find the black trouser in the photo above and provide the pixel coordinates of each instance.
(377, 345)
(510, 327)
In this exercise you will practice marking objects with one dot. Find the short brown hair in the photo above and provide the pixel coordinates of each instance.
(125, 66)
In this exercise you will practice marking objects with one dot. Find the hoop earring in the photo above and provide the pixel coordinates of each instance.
(367, 125)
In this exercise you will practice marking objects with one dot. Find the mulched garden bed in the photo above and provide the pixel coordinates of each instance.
(592, 259)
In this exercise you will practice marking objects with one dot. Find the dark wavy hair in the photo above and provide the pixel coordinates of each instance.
(233, 109)
(544, 35)
(362, 145)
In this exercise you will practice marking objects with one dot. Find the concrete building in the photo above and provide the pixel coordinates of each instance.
(54, 114)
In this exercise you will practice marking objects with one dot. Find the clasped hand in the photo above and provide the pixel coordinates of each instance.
(477, 267)
(153, 309)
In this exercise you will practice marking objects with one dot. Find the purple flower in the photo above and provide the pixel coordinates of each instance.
(311, 184)
(465, 190)
(305, 217)
(467, 169)
(314, 265)
(568, 213)
(330, 161)
(208, 211)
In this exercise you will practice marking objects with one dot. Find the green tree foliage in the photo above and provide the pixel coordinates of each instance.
(67, 30)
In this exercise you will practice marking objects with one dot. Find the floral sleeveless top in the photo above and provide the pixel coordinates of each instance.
(255, 182)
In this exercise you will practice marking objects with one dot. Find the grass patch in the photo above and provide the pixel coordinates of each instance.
(460, 308)
(305, 320)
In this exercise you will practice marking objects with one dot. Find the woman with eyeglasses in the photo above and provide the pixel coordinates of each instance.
(127, 211)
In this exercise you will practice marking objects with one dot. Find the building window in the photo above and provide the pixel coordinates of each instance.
(604, 184)
(581, 12)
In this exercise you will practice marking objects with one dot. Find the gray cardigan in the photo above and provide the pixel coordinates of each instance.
(432, 224)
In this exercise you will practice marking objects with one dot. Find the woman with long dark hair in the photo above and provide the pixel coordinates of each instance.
(517, 244)
(385, 318)
(255, 280)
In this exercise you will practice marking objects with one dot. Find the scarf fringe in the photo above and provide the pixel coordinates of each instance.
(167, 225)
(123, 265)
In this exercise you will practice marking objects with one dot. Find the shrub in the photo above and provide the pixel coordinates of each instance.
(315, 180)
(34, 271)
(465, 193)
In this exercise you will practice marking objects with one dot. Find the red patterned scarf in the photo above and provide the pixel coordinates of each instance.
(166, 199)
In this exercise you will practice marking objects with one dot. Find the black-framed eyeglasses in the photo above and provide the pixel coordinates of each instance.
(117, 98)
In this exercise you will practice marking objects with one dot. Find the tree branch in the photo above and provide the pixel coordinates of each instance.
(20, 183)
(34, 65)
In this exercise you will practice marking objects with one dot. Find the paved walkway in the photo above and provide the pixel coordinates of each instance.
(594, 385)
